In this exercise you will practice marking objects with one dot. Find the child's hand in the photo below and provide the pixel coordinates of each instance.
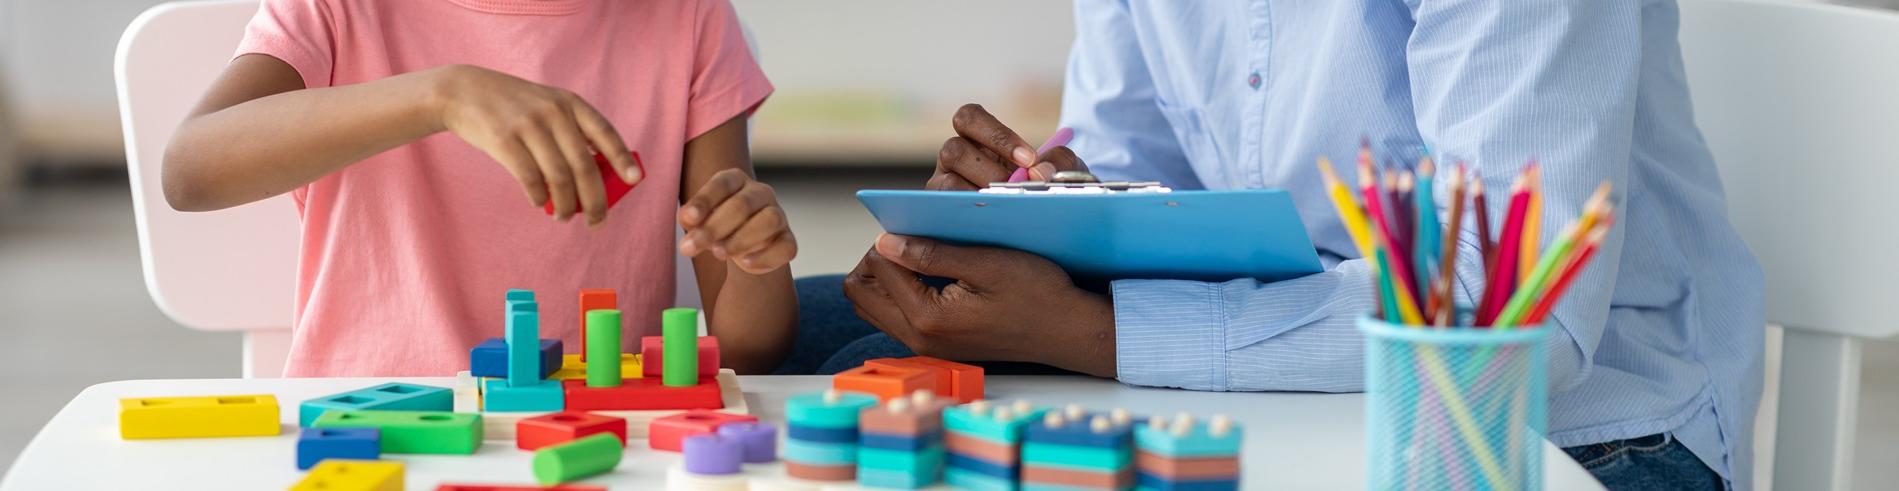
(737, 218)
(545, 136)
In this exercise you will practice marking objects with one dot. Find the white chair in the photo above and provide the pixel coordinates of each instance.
(229, 270)
(1797, 102)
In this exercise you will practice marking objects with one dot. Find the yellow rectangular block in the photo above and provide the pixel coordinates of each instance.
(571, 368)
(352, 475)
(198, 417)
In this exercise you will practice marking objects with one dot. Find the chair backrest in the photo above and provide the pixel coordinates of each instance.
(232, 269)
(1798, 104)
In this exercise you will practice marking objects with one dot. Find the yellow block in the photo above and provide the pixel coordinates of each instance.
(571, 368)
(198, 417)
(352, 475)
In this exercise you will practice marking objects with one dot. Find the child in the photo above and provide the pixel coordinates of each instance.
(402, 128)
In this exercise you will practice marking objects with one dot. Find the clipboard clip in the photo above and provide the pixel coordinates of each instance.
(1075, 182)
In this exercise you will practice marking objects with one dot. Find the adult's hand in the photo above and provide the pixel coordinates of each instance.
(985, 151)
(1006, 305)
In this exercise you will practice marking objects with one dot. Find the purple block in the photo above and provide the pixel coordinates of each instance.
(759, 440)
(712, 455)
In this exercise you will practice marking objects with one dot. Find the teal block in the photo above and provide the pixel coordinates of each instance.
(812, 410)
(814, 453)
(1029, 486)
(519, 295)
(895, 479)
(524, 347)
(394, 396)
(976, 481)
(499, 397)
(900, 460)
(1197, 443)
(985, 426)
(1073, 457)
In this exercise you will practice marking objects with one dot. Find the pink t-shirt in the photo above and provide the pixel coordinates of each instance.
(406, 255)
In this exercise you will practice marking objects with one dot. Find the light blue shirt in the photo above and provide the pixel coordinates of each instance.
(1662, 333)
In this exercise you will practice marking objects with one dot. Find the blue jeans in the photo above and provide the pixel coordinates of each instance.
(1652, 462)
(831, 338)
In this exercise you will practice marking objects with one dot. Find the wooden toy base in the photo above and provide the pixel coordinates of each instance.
(500, 426)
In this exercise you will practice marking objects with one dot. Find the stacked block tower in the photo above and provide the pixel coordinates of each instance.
(1074, 449)
(1185, 454)
(525, 386)
(900, 443)
(522, 373)
(821, 434)
(984, 441)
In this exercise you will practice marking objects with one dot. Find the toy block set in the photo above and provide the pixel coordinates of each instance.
(714, 461)
(984, 441)
(1075, 449)
(888, 378)
(1187, 454)
(900, 443)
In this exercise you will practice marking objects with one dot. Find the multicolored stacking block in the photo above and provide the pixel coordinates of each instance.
(526, 387)
(1184, 454)
(821, 434)
(1074, 449)
(611, 387)
(900, 443)
(984, 440)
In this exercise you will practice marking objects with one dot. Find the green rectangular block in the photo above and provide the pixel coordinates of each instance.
(1075, 457)
(415, 432)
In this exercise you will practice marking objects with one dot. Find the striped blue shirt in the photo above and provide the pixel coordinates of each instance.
(1661, 334)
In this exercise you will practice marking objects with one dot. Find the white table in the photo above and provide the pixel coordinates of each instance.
(1293, 440)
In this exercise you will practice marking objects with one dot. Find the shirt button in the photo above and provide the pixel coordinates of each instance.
(1253, 80)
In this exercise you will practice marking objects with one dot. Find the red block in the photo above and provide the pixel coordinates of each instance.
(653, 356)
(614, 187)
(963, 382)
(642, 394)
(670, 432)
(884, 382)
(565, 426)
(514, 487)
(593, 299)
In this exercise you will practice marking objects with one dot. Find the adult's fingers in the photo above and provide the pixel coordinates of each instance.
(949, 181)
(1056, 160)
(605, 139)
(515, 158)
(979, 265)
(554, 170)
(976, 124)
(973, 163)
(911, 297)
(587, 179)
(865, 289)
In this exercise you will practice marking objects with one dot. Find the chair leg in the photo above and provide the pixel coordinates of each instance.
(266, 352)
(1819, 406)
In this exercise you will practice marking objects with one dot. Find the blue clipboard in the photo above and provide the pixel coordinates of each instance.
(1187, 235)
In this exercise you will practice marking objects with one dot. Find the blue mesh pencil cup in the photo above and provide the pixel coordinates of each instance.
(1455, 408)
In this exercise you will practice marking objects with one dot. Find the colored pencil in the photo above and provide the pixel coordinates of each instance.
(1532, 224)
(1502, 280)
(1570, 272)
(1485, 245)
(1383, 234)
(1350, 214)
(1520, 300)
(1446, 309)
(1426, 247)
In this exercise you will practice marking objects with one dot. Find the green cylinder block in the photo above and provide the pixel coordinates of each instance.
(679, 327)
(594, 454)
(603, 346)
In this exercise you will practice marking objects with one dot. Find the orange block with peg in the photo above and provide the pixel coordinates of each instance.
(960, 381)
(885, 382)
(593, 299)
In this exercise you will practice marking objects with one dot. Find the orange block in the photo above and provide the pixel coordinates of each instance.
(593, 299)
(963, 382)
(885, 382)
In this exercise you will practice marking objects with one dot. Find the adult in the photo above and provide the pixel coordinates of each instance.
(1655, 362)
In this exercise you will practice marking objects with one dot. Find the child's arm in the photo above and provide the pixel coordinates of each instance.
(741, 245)
(259, 132)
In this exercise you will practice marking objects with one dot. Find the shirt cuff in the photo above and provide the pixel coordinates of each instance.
(1170, 333)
